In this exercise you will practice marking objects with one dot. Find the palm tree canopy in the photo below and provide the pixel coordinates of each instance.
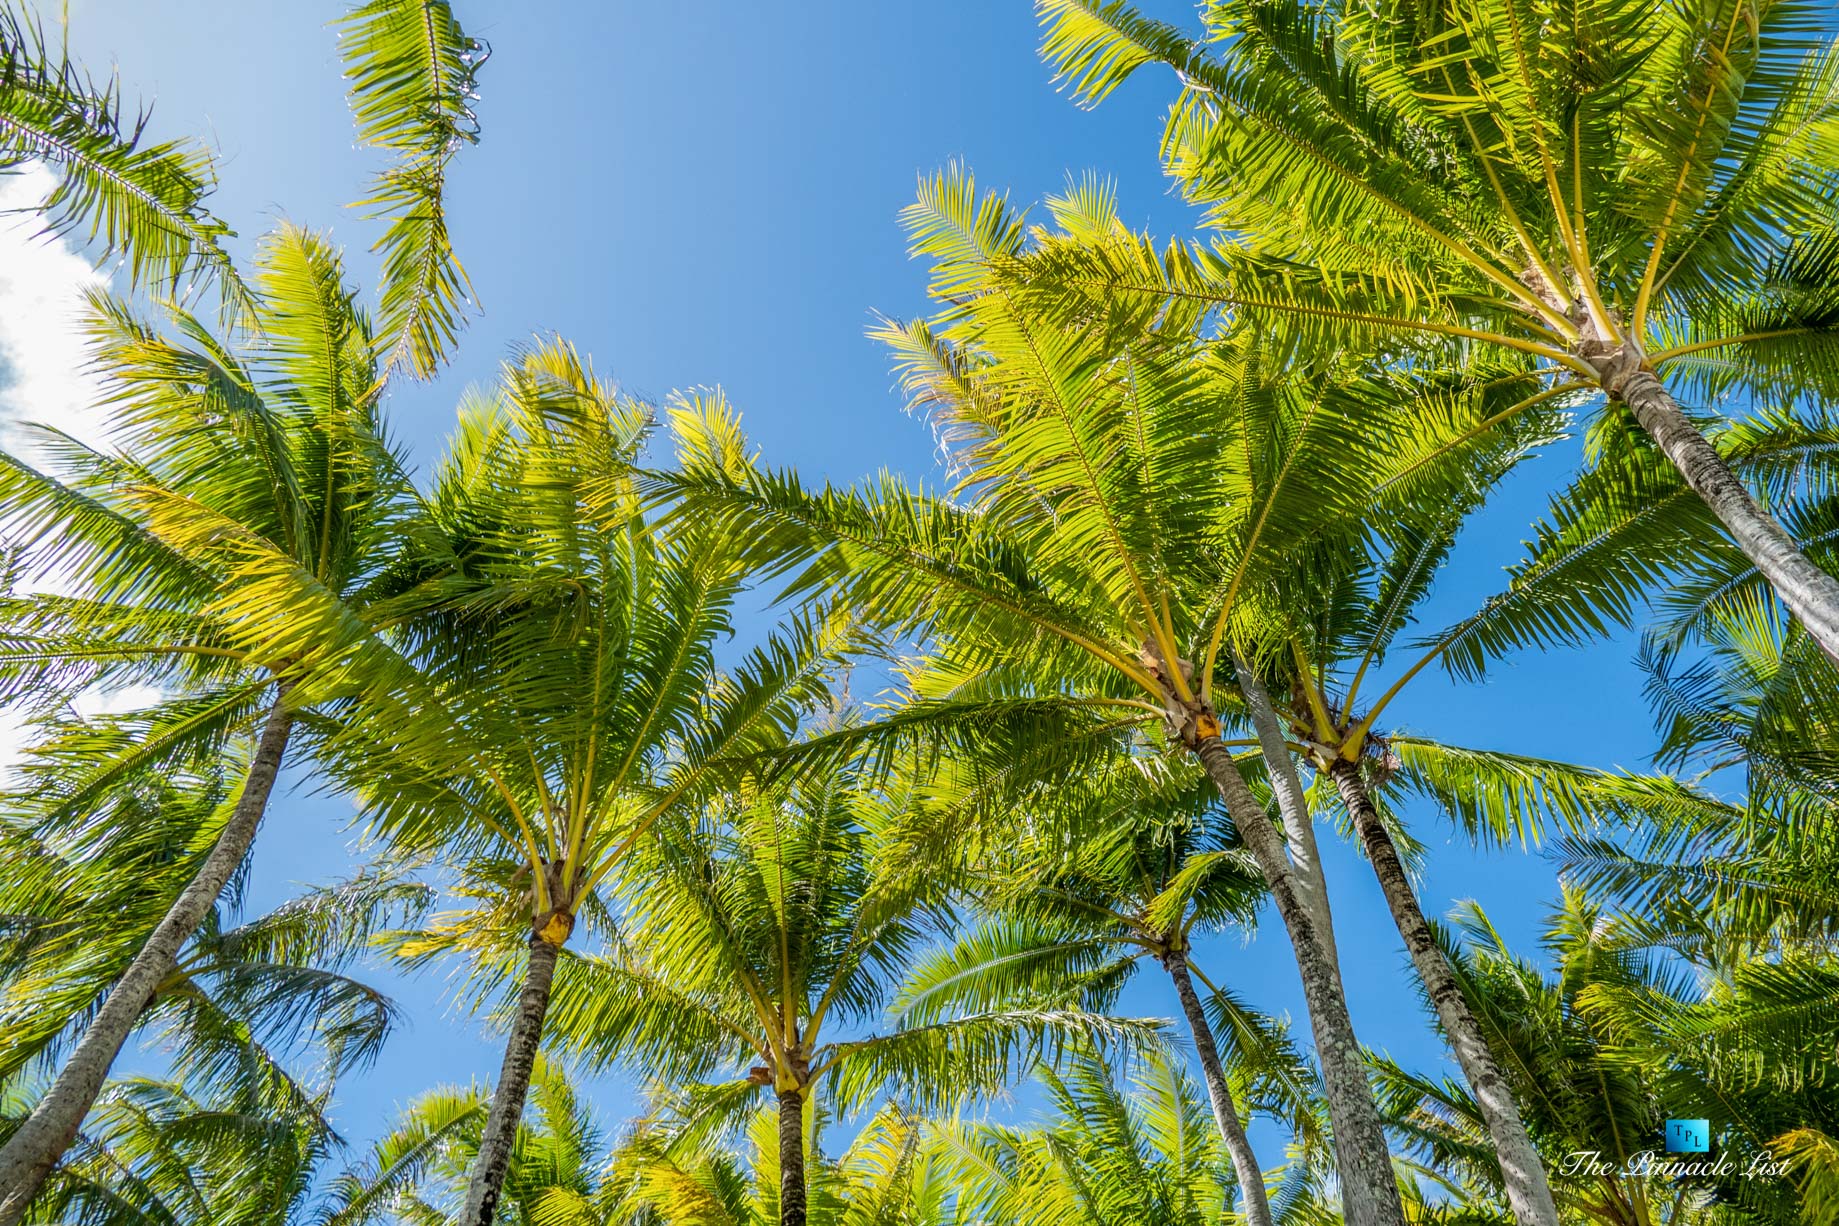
(547, 685)
(1477, 170)
(770, 930)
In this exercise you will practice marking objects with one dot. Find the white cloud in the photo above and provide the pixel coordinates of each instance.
(44, 374)
(12, 743)
(115, 702)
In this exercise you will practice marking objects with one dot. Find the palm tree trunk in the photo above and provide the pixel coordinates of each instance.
(507, 1107)
(1810, 592)
(1528, 1193)
(1369, 1193)
(33, 1151)
(1225, 1114)
(791, 1158)
(1292, 805)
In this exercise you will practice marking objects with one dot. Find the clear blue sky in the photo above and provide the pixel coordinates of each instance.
(705, 193)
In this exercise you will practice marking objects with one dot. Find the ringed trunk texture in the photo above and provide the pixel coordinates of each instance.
(791, 1158)
(1293, 805)
(1369, 1193)
(1810, 592)
(1528, 1193)
(33, 1151)
(507, 1108)
(1257, 1206)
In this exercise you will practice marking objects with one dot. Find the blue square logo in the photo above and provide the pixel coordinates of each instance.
(1688, 1136)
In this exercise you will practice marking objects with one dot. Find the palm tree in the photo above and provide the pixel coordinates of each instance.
(1757, 695)
(419, 1170)
(1729, 883)
(1612, 1042)
(413, 74)
(245, 475)
(262, 466)
(257, 1020)
(548, 688)
(429, 1145)
(669, 1168)
(249, 1149)
(1634, 198)
(1140, 865)
(1325, 623)
(159, 1152)
(75, 906)
(1109, 1156)
(887, 1176)
(1136, 531)
(763, 934)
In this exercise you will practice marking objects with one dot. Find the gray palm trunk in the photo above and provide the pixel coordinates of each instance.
(1257, 1206)
(1292, 807)
(1528, 1193)
(1369, 1193)
(486, 1184)
(1811, 593)
(32, 1152)
(791, 1158)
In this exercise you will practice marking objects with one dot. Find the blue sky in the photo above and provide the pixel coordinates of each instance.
(705, 194)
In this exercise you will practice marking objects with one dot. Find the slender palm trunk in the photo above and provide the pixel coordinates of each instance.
(1528, 1193)
(1810, 592)
(1293, 805)
(791, 1158)
(1369, 1193)
(33, 1151)
(1225, 1114)
(507, 1107)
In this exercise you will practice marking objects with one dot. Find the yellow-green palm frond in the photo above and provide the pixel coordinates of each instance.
(140, 199)
(413, 73)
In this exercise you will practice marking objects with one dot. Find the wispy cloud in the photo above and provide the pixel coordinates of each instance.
(44, 367)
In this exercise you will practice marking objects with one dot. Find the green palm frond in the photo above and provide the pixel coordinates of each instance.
(413, 74)
(422, 1137)
(142, 200)
(1500, 797)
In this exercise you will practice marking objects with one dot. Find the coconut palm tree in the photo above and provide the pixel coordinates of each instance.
(80, 894)
(1742, 686)
(1140, 866)
(764, 937)
(1723, 884)
(429, 1145)
(76, 906)
(1303, 647)
(233, 465)
(669, 1168)
(1305, 663)
(1635, 198)
(1613, 1041)
(253, 1149)
(234, 462)
(255, 1022)
(549, 687)
(886, 1175)
(419, 1170)
(413, 74)
(156, 1151)
(1112, 1153)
